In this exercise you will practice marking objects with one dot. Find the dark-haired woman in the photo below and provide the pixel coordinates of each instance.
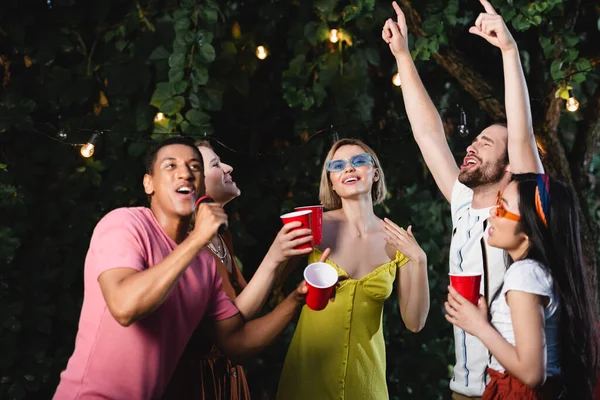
(542, 330)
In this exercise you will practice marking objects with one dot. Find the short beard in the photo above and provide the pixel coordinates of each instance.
(483, 175)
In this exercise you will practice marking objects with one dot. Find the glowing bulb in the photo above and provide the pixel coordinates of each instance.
(396, 80)
(572, 104)
(87, 150)
(159, 117)
(261, 52)
(333, 36)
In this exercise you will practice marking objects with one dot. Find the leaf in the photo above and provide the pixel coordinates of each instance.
(203, 36)
(434, 45)
(194, 100)
(555, 70)
(526, 61)
(176, 75)
(421, 43)
(325, 7)
(172, 105)
(182, 24)
(451, 11)
(200, 76)
(177, 60)
(296, 65)
(197, 118)
(583, 64)
(211, 97)
(319, 93)
(350, 12)
(209, 13)
(163, 92)
(547, 46)
(160, 53)
(207, 52)
(570, 40)
(308, 101)
(180, 86)
(228, 50)
(571, 55)
(433, 24)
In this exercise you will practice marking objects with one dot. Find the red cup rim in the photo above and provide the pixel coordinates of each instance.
(305, 207)
(465, 273)
(296, 214)
(321, 264)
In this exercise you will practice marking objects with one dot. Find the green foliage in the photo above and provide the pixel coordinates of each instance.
(69, 68)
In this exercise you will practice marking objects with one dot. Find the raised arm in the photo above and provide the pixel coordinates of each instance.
(522, 147)
(239, 340)
(131, 294)
(254, 295)
(424, 119)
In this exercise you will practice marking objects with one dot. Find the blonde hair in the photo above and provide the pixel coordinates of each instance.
(329, 198)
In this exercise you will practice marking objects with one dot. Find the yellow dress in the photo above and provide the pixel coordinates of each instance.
(339, 352)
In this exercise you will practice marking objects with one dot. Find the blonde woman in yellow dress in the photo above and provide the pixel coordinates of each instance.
(339, 352)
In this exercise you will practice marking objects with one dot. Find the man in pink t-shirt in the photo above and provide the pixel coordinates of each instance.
(148, 284)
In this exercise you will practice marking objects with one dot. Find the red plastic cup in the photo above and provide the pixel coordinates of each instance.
(320, 279)
(316, 222)
(467, 284)
(303, 217)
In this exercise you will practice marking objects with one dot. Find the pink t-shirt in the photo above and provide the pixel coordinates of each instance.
(136, 362)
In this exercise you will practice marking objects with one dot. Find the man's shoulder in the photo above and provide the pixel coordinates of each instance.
(132, 219)
(462, 197)
(125, 214)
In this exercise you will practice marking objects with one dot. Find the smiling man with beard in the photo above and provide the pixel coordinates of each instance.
(472, 188)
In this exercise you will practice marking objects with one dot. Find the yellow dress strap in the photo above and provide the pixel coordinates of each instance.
(400, 259)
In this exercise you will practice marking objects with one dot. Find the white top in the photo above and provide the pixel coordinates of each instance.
(528, 276)
(470, 252)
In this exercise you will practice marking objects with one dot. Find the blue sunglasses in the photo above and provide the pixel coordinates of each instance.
(356, 161)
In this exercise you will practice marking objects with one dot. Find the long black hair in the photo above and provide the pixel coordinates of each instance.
(558, 248)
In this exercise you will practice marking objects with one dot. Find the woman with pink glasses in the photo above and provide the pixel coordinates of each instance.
(542, 331)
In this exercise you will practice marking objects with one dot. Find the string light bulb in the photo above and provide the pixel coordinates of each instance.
(333, 36)
(572, 104)
(261, 52)
(159, 117)
(463, 129)
(87, 150)
(396, 80)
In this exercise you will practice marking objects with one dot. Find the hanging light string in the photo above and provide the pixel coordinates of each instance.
(87, 149)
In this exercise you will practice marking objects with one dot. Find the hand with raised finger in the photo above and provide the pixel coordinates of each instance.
(464, 314)
(490, 26)
(395, 33)
(289, 237)
(403, 241)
